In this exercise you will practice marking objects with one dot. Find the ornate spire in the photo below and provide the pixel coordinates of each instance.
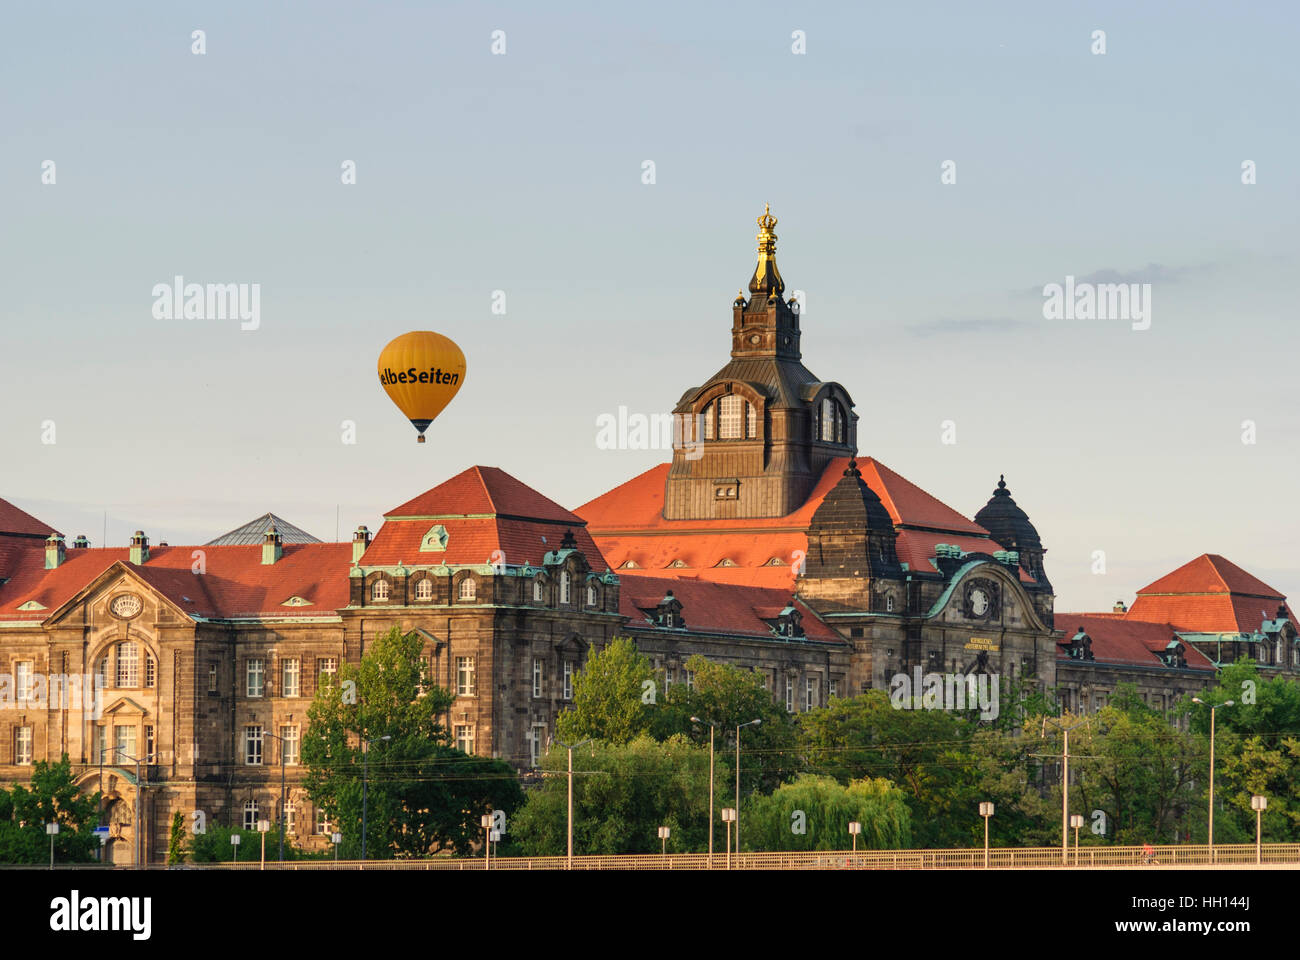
(767, 278)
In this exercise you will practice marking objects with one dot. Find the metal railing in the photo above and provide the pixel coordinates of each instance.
(999, 858)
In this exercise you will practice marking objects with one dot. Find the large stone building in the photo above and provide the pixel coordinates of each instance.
(766, 542)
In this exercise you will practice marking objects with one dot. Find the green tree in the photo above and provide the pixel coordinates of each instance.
(176, 840)
(611, 700)
(423, 795)
(926, 753)
(52, 797)
(814, 813)
(622, 794)
(1138, 769)
(727, 695)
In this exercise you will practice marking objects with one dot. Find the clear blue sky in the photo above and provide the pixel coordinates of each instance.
(522, 173)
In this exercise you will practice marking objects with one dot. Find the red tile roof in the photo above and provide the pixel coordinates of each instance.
(1208, 595)
(489, 516)
(628, 525)
(1131, 642)
(715, 607)
(236, 584)
(483, 491)
(13, 520)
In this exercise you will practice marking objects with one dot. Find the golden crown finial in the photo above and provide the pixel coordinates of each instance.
(766, 222)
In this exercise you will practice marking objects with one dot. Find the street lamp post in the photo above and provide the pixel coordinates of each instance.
(52, 829)
(485, 822)
(571, 747)
(1210, 832)
(986, 811)
(663, 835)
(1076, 821)
(728, 815)
(1259, 805)
(711, 727)
(854, 829)
(1065, 785)
(119, 755)
(739, 727)
(262, 827)
(365, 769)
(268, 733)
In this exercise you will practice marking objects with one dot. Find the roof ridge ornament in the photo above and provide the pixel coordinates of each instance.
(767, 278)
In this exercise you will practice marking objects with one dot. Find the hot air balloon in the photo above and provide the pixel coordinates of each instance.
(421, 371)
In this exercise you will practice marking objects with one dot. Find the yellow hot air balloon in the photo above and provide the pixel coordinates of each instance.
(421, 371)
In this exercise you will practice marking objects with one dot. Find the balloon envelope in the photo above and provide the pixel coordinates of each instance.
(421, 371)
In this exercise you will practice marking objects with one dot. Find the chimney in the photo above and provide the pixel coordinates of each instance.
(139, 548)
(271, 548)
(81, 543)
(54, 551)
(360, 541)
(1119, 607)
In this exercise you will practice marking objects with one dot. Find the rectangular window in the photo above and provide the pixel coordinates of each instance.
(256, 674)
(670, 674)
(150, 671)
(290, 818)
(253, 745)
(148, 744)
(568, 680)
(730, 409)
(464, 676)
(835, 689)
(465, 738)
(128, 664)
(101, 673)
(537, 743)
(23, 680)
(326, 667)
(101, 745)
(322, 823)
(124, 745)
(289, 745)
(212, 678)
(23, 746)
(250, 814)
(289, 681)
(789, 694)
(690, 679)
(537, 677)
(809, 693)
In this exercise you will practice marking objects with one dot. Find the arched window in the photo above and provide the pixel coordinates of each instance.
(379, 590)
(468, 589)
(537, 590)
(751, 421)
(708, 422)
(424, 589)
(730, 417)
(827, 431)
(128, 664)
(591, 594)
(564, 586)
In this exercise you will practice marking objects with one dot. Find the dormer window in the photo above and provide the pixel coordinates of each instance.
(468, 589)
(708, 422)
(564, 586)
(424, 589)
(831, 425)
(591, 594)
(731, 409)
(537, 590)
(379, 590)
(751, 421)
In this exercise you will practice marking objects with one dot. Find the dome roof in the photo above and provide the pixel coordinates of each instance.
(1008, 524)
